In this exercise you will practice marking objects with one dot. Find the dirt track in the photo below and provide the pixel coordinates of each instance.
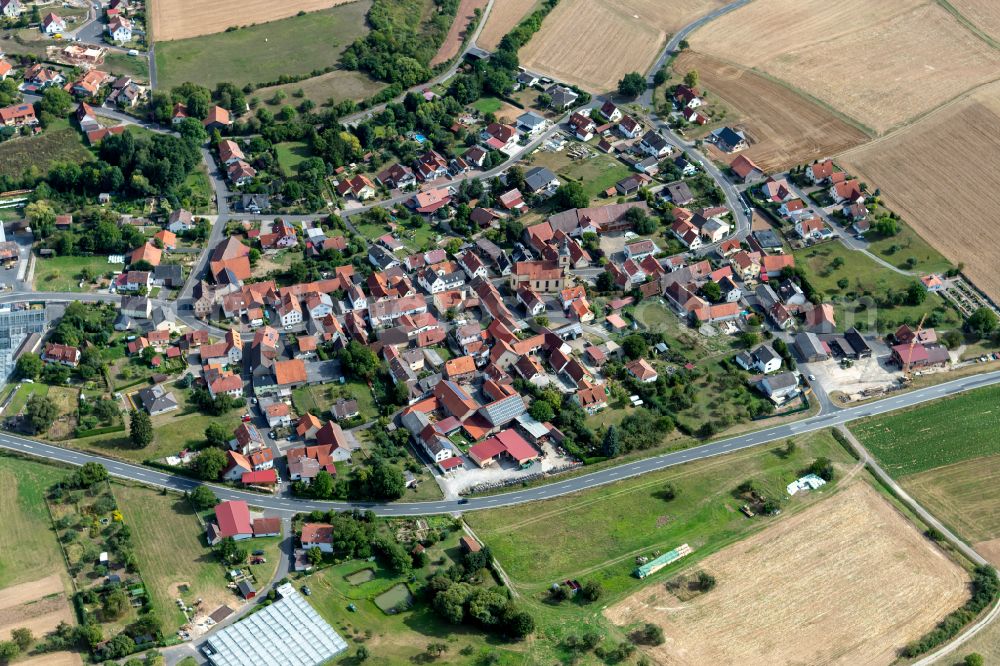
(179, 19)
(847, 581)
(453, 40)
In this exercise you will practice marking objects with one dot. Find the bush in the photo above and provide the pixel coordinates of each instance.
(823, 468)
(706, 581)
(650, 634)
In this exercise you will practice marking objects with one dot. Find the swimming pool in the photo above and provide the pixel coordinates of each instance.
(419, 138)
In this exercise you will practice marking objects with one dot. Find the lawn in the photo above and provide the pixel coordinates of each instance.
(486, 105)
(23, 394)
(63, 273)
(905, 245)
(295, 46)
(863, 277)
(400, 640)
(28, 547)
(291, 154)
(939, 433)
(170, 545)
(126, 65)
(173, 432)
(596, 173)
(318, 399)
(58, 143)
(334, 87)
(199, 193)
(598, 533)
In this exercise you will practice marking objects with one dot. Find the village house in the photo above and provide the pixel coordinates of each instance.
(120, 29)
(52, 24)
(61, 354)
(18, 115)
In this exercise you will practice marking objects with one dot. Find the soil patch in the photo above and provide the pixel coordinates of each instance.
(464, 18)
(17, 595)
(783, 127)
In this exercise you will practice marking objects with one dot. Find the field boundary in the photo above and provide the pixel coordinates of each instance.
(968, 24)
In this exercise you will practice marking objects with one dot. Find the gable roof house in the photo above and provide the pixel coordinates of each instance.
(746, 170)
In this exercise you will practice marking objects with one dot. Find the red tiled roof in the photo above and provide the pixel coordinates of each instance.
(233, 518)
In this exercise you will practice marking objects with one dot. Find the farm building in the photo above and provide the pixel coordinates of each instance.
(507, 444)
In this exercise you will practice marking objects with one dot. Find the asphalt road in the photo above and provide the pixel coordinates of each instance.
(609, 475)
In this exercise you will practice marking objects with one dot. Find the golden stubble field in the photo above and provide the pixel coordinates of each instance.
(881, 63)
(503, 17)
(783, 127)
(984, 14)
(942, 175)
(593, 43)
(847, 581)
(178, 19)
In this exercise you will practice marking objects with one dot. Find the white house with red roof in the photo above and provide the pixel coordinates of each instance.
(52, 24)
(232, 521)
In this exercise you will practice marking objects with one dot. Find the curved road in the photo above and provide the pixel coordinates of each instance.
(153, 477)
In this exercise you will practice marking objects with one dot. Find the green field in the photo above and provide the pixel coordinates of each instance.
(28, 546)
(58, 143)
(400, 640)
(940, 433)
(23, 394)
(126, 65)
(865, 277)
(334, 86)
(294, 46)
(596, 173)
(598, 533)
(905, 245)
(173, 431)
(291, 154)
(170, 545)
(63, 273)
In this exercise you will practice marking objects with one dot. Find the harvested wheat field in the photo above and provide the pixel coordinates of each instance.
(53, 659)
(503, 17)
(593, 43)
(984, 14)
(178, 19)
(39, 605)
(452, 44)
(847, 581)
(941, 174)
(924, 57)
(783, 127)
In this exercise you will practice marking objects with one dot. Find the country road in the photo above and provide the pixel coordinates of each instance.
(286, 504)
